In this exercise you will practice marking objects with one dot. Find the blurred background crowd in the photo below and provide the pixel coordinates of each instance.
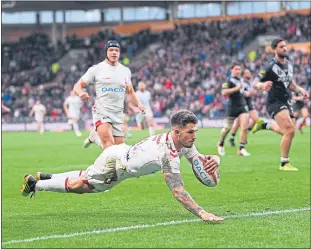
(185, 71)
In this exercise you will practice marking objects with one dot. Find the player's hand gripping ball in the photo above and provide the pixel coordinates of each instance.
(206, 169)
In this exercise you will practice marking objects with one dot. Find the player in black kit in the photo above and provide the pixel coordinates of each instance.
(248, 92)
(236, 108)
(300, 107)
(277, 78)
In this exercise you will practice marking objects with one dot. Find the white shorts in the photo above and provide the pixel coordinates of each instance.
(74, 115)
(114, 118)
(140, 117)
(108, 170)
(39, 119)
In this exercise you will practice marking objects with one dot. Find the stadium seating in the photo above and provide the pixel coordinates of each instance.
(187, 70)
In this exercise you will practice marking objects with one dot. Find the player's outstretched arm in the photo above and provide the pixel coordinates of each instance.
(65, 108)
(78, 89)
(31, 112)
(176, 185)
(133, 97)
(294, 87)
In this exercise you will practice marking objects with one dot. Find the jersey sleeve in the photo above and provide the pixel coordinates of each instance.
(67, 101)
(89, 76)
(191, 152)
(264, 73)
(170, 164)
(129, 77)
(227, 84)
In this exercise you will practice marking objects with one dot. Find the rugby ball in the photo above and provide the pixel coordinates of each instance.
(210, 180)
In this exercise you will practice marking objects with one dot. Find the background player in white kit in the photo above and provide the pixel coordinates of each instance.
(119, 162)
(72, 106)
(39, 110)
(112, 80)
(145, 98)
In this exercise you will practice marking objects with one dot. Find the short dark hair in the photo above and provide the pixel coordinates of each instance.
(275, 42)
(182, 118)
(234, 64)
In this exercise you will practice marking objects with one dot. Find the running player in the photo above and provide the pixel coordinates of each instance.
(39, 110)
(236, 109)
(248, 92)
(111, 80)
(300, 107)
(72, 106)
(145, 98)
(276, 78)
(119, 162)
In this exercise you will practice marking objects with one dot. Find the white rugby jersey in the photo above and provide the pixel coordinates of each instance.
(74, 104)
(110, 85)
(144, 98)
(38, 110)
(154, 154)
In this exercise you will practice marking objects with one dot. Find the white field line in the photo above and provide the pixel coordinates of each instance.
(168, 223)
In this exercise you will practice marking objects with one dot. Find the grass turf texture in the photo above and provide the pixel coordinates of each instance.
(252, 184)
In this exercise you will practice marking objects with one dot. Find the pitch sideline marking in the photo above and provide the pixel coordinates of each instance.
(168, 223)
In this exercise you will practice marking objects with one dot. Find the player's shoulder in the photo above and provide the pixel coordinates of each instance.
(289, 62)
(123, 67)
(271, 63)
(98, 65)
(234, 80)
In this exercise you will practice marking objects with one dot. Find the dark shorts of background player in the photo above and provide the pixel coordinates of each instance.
(275, 107)
(298, 106)
(233, 112)
(250, 106)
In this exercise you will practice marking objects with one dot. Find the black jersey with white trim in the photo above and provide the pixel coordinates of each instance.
(281, 75)
(236, 98)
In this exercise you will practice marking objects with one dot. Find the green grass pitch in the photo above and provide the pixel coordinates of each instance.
(248, 185)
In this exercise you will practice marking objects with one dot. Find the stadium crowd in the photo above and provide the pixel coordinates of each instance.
(187, 70)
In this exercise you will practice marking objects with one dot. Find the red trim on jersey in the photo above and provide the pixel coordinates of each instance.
(173, 155)
(91, 187)
(98, 123)
(80, 172)
(166, 139)
(172, 152)
(172, 149)
(159, 138)
(66, 184)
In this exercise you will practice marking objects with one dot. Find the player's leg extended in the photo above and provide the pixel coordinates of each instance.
(254, 117)
(262, 125)
(243, 120)
(76, 127)
(92, 138)
(125, 126)
(139, 121)
(40, 126)
(234, 130)
(223, 134)
(149, 120)
(61, 185)
(104, 132)
(305, 115)
(287, 125)
(70, 174)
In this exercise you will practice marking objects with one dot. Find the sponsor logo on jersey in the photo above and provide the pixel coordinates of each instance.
(111, 89)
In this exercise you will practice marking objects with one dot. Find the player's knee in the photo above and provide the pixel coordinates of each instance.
(75, 186)
(290, 131)
(225, 130)
(244, 128)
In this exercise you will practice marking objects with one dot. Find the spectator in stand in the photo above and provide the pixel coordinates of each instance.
(185, 72)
